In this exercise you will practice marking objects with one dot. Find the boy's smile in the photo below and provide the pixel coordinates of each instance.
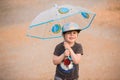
(71, 36)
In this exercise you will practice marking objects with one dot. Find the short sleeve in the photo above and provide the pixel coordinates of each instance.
(59, 49)
(78, 49)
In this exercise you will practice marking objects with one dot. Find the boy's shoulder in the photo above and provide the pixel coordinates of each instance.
(76, 43)
(60, 44)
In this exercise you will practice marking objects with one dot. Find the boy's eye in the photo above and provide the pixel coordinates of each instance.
(74, 32)
(68, 32)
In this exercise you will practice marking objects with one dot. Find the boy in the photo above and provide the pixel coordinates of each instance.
(67, 54)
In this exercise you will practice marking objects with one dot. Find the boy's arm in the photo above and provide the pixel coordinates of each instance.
(58, 59)
(75, 57)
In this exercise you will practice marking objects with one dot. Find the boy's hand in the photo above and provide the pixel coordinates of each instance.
(66, 45)
(67, 53)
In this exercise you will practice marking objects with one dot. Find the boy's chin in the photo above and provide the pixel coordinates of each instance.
(71, 41)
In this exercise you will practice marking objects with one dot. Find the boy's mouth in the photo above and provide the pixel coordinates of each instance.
(71, 38)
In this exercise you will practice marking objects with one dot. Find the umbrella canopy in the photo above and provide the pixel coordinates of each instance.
(48, 24)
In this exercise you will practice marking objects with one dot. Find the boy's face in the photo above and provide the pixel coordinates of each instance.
(71, 36)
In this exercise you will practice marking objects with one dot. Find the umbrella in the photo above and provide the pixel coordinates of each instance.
(48, 24)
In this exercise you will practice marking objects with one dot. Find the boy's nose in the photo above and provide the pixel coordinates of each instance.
(71, 33)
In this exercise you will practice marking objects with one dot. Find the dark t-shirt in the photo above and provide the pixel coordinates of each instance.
(77, 48)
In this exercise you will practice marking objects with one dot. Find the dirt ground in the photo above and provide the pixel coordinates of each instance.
(24, 58)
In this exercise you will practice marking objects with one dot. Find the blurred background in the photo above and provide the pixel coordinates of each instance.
(24, 58)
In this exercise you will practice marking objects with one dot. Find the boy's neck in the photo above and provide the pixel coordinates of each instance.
(71, 44)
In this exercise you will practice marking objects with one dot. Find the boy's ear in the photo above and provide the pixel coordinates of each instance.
(63, 35)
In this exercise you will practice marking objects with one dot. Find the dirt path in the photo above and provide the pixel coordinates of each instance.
(23, 58)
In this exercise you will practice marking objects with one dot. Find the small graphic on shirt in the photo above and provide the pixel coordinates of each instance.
(67, 64)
